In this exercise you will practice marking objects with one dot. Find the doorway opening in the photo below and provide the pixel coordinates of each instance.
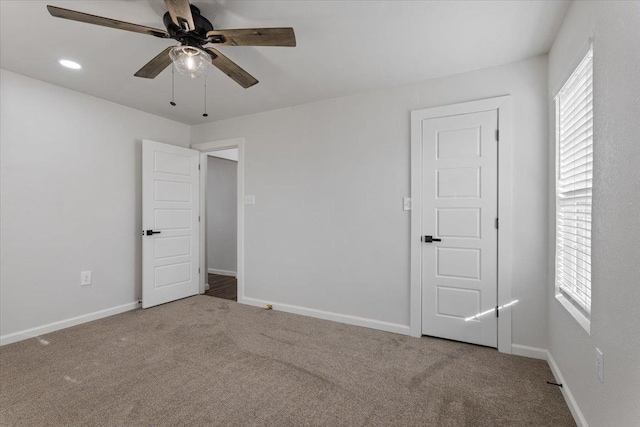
(221, 189)
(205, 149)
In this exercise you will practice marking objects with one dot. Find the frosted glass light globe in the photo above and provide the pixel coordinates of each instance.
(190, 60)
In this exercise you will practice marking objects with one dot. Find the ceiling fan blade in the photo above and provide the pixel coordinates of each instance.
(156, 65)
(254, 37)
(59, 12)
(180, 12)
(231, 69)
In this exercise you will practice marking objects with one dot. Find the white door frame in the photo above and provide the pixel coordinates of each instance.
(204, 148)
(503, 106)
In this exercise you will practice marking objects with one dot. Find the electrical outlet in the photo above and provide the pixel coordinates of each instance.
(600, 364)
(406, 203)
(85, 278)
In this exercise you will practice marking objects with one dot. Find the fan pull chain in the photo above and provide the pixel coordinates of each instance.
(205, 94)
(173, 76)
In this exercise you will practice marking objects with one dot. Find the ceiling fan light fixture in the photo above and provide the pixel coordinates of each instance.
(190, 60)
(185, 24)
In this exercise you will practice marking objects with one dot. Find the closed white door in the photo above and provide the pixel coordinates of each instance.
(170, 209)
(460, 240)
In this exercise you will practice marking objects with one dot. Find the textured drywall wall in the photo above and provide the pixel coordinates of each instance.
(615, 317)
(328, 231)
(71, 171)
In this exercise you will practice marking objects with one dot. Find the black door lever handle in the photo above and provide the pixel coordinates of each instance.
(150, 232)
(429, 239)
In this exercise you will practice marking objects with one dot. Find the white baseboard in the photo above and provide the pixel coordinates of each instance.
(326, 315)
(527, 351)
(62, 324)
(222, 272)
(541, 353)
(566, 392)
(206, 287)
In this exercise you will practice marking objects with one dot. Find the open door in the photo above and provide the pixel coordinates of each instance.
(170, 220)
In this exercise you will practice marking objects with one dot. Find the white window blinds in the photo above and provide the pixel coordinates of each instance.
(574, 109)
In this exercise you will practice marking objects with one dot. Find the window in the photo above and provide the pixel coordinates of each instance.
(574, 176)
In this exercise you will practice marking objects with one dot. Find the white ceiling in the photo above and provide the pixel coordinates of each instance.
(343, 47)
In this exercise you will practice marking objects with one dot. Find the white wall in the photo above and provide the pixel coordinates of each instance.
(615, 318)
(71, 201)
(222, 214)
(328, 231)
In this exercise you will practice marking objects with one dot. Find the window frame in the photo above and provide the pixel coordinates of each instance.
(578, 313)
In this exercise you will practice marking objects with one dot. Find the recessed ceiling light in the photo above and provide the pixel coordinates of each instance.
(70, 64)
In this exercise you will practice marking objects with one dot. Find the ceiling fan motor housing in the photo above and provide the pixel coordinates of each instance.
(197, 37)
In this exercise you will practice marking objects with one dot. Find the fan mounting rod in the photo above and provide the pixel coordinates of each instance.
(197, 36)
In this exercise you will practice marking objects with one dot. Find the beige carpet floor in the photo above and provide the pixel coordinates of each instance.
(204, 361)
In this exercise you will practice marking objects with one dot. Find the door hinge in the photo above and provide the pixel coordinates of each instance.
(497, 312)
(198, 166)
(198, 270)
(497, 134)
(198, 218)
(497, 223)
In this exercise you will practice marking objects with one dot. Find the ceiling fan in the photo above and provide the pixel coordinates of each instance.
(193, 31)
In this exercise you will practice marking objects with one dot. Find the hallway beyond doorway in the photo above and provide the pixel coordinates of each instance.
(225, 287)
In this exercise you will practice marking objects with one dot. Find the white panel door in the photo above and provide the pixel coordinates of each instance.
(170, 209)
(459, 207)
